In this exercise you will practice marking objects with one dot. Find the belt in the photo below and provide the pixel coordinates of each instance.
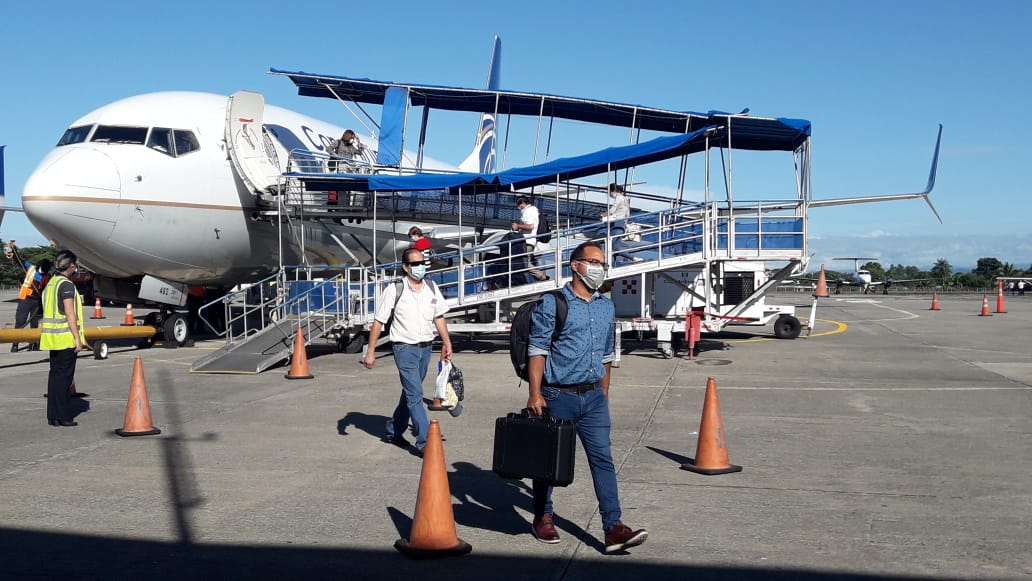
(420, 344)
(577, 387)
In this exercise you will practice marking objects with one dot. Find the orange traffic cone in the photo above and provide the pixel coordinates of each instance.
(822, 286)
(985, 307)
(137, 410)
(299, 361)
(437, 405)
(999, 297)
(97, 313)
(935, 301)
(711, 450)
(130, 320)
(433, 525)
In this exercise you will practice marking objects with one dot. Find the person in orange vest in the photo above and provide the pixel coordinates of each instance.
(61, 333)
(30, 307)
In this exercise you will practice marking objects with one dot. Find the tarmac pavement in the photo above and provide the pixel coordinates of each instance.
(893, 442)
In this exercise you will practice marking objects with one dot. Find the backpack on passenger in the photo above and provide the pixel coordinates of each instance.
(544, 229)
(519, 331)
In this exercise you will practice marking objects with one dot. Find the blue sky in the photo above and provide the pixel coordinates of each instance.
(875, 78)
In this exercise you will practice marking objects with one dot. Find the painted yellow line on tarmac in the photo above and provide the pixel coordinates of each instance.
(839, 328)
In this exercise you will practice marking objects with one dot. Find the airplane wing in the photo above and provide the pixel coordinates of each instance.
(893, 281)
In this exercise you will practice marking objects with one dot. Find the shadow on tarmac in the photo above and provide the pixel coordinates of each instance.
(41, 555)
(374, 425)
(482, 502)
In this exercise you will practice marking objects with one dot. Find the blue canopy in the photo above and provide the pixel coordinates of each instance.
(740, 133)
(508, 102)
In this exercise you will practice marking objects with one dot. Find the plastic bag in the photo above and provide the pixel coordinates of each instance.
(443, 374)
(450, 389)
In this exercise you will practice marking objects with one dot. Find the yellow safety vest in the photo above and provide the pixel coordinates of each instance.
(54, 333)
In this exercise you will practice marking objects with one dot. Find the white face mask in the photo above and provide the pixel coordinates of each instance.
(415, 238)
(593, 276)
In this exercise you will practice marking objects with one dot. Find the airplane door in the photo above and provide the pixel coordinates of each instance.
(246, 143)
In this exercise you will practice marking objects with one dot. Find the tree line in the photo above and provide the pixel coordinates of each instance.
(983, 276)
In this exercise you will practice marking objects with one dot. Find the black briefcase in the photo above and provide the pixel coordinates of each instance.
(536, 447)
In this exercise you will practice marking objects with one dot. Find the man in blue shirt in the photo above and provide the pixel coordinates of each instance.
(571, 378)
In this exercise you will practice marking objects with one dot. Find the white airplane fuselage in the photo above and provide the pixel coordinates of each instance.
(128, 207)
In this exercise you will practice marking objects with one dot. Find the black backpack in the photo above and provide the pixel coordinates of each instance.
(519, 331)
(544, 229)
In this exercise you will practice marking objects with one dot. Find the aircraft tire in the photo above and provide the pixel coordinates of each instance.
(787, 327)
(100, 350)
(176, 328)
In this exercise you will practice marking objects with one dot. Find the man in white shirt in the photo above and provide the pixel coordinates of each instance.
(416, 313)
(528, 226)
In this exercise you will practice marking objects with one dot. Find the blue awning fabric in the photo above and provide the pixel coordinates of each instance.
(505, 102)
(392, 126)
(743, 133)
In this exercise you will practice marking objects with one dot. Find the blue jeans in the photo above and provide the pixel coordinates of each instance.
(590, 413)
(412, 362)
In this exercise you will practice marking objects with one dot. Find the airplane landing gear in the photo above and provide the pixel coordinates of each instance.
(174, 326)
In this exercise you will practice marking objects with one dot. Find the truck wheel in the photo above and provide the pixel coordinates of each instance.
(787, 327)
(665, 350)
(355, 343)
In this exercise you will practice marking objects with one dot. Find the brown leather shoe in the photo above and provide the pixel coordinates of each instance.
(543, 529)
(621, 537)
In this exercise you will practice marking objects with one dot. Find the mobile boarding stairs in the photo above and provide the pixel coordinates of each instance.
(696, 247)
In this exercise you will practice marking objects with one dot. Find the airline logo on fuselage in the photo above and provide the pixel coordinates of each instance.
(320, 141)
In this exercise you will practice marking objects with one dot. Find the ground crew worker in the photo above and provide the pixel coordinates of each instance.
(30, 307)
(61, 333)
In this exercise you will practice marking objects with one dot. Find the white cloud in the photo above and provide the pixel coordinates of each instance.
(874, 234)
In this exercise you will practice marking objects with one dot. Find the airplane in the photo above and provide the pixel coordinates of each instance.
(157, 192)
(862, 278)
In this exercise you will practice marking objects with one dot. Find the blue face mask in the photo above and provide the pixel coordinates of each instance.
(418, 272)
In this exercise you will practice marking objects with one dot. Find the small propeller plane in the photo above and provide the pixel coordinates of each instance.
(861, 277)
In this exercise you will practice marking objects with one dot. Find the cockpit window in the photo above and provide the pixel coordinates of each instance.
(161, 140)
(172, 142)
(118, 134)
(75, 135)
(185, 142)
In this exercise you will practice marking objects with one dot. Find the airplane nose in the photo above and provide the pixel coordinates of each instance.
(72, 197)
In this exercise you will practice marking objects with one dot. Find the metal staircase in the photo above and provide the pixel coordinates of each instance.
(482, 283)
